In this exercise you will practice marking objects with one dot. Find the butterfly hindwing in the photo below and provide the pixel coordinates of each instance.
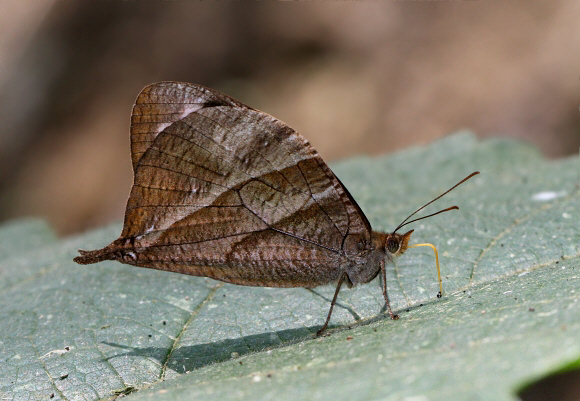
(229, 192)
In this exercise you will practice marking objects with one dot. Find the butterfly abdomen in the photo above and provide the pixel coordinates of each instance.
(120, 249)
(90, 257)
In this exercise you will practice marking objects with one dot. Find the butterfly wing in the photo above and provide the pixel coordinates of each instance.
(225, 191)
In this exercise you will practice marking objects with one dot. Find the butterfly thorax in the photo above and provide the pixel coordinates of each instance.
(382, 247)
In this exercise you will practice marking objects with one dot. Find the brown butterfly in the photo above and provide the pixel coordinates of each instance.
(225, 191)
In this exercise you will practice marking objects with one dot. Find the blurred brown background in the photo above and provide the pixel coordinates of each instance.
(351, 77)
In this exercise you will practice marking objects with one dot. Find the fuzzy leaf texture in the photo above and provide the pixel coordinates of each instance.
(510, 260)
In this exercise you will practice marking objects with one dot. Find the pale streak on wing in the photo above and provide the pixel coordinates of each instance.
(161, 104)
(279, 158)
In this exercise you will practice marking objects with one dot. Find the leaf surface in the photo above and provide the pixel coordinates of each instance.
(510, 313)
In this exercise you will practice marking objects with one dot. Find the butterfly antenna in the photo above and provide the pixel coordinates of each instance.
(405, 222)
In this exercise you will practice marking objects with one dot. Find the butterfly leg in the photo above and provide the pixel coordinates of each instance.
(384, 277)
(340, 281)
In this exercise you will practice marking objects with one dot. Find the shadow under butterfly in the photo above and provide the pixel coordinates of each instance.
(225, 191)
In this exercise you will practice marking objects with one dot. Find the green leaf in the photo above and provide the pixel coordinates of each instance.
(17, 237)
(510, 313)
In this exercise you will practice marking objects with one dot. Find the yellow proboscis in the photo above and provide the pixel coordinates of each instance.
(436, 262)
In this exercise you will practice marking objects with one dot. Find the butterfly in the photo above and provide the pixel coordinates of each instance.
(225, 191)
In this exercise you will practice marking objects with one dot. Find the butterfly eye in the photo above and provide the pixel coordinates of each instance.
(392, 245)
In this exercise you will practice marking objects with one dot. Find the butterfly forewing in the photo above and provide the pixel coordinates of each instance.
(226, 191)
(161, 104)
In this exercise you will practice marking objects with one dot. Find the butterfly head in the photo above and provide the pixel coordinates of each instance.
(397, 244)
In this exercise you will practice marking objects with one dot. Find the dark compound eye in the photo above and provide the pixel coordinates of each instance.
(392, 245)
